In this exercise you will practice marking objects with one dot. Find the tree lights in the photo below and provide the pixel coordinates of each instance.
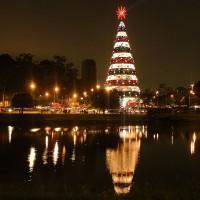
(122, 74)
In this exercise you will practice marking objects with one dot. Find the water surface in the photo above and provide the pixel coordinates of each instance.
(99, 162)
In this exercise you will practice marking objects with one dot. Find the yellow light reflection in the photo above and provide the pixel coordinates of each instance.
(192, 144)
(122, 162)
(45, 157)
(34, 130)
(74, 139)
(47, 130)
(10, 131)
(31, 159)
(55, 154)
(58, 129)
(63, 155)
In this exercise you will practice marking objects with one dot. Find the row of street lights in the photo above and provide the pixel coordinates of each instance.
(56, 90)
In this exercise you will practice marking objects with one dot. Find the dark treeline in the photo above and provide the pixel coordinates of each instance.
(17, 73)
(165, 95)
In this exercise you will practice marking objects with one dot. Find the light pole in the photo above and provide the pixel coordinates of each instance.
(85, 96)
(56, 90)
(46, 94)
(157, 93)
(32, 88)
(191, 92)
(98, 87)
(108, 89)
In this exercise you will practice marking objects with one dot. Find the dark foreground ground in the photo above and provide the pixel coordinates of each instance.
(148, 193)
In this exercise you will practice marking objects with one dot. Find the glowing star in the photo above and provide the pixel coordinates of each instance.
(121, 12)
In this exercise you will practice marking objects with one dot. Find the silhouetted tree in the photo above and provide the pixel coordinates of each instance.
(24, 71)
(7, 73)
(22, 100)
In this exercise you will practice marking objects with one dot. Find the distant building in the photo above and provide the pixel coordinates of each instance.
(88, 74)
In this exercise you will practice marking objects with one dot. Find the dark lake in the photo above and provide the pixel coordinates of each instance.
(100, 162)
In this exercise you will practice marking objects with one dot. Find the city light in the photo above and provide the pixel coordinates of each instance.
(75, 95)
(32, 86)
(108, 89)
(56, 89)
(92, 90)
(98, 87)
(85, 94)
(192, 92)
(157, 93)
(46, 94)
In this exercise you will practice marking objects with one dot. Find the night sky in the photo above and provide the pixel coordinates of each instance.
(164, 34)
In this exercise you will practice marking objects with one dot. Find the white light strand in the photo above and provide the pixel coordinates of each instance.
(122, 44)
(122, 77)
(122, 34)
(121, 24)
(123, 66)
(122, 55)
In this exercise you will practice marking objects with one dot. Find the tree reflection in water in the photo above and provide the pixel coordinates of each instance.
(122, 161)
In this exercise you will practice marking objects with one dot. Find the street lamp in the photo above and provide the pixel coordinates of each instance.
(46, 94)
(108, 89)
(85, 94)
(92, 90)
(32, 86)
(75, 95)
(98, 86)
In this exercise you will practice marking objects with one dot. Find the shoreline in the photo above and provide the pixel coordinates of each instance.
(171, 118)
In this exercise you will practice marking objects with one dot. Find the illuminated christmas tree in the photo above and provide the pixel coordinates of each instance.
(122, 73)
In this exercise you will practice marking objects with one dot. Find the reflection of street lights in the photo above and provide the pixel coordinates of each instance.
(56, 90)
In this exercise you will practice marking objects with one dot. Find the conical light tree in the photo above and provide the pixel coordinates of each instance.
(122, 73)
